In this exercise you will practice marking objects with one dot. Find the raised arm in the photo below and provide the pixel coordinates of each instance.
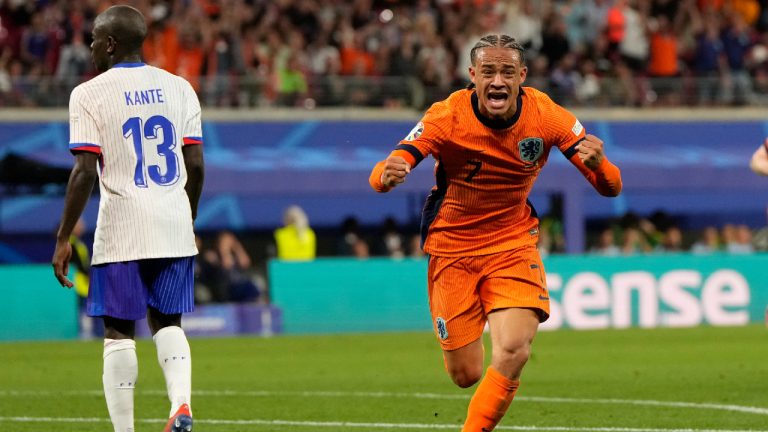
(392, 171)
(590, 159)
(79, 189)
(759, 161)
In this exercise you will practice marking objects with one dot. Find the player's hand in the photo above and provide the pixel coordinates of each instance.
(61, 257)
(591, 151)
(395, 171)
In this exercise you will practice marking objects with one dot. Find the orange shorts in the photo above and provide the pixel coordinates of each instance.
(463, 290)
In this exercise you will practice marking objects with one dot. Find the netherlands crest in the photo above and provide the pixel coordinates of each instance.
(442, 330)
(531, 149)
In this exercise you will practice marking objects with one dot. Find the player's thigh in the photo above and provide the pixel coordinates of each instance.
(171, 284)
(117, 290)
(465, 364)
(515, 279)
(457, 314)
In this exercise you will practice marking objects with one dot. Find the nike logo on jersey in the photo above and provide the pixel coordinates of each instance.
(542, 298)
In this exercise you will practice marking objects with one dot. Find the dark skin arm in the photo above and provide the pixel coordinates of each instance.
(193, 161)
(79, 188)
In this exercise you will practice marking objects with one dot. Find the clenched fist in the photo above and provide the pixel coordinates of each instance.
(395, 171)
(591, 151)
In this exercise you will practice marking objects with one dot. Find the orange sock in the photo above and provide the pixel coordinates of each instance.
(490, 402)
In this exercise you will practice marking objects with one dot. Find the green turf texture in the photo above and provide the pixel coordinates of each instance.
(324, 378)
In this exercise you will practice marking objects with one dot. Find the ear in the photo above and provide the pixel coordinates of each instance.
(472, 74)
(523, 74)
(111, 45)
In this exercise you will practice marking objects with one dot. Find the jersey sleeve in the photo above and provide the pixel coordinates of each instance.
(565, 131)
(193, 128)
(84, 133)
(424, 139)
(428, 134)
(562, 128)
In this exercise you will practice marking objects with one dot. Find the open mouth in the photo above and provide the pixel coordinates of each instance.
(497, 100)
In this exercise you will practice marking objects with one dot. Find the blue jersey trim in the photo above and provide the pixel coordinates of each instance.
(433, 203)
(568, 153)
(496, 123)
(413, 151)
(129, 65)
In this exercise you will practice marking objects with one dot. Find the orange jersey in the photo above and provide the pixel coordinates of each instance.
(485, 171)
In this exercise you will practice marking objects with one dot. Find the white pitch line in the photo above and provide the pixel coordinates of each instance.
(672, 404)
(443, 396)
(360, 425)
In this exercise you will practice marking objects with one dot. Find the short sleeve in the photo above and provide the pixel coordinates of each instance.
(193, 129)
(562, 128)
(83, 126)
(429, 133)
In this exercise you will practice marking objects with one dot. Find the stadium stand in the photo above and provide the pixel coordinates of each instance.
(391, 53)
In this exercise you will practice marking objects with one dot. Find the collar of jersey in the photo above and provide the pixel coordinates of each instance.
(129, 65)
(497, 124)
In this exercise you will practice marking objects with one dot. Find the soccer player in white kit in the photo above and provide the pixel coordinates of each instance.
(137, 130)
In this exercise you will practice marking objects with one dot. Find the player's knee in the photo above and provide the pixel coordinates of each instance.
(466, 376)
(513, 355)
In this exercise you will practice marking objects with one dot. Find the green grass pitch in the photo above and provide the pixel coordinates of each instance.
(634, 380)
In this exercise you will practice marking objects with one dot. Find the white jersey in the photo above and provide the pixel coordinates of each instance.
(137, 118)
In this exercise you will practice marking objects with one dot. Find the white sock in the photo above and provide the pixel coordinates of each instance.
(175, 359)
(121, 369)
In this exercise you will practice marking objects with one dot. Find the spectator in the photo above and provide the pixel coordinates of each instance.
(392, 244)
(211, 284)
(190, 58)
(415, 248)
(295, 240)
(606, 244)
(360, 249)
(524, 24)
(633, 242)
(710, 63)
(738, 240)
(555, 44)
(708, 243)
(74, 61)
(565, 80)
(737, 41)
(224, 65)
(672, 241)
(237, 268)
(587, 89)
(350, 241)
(161, 47)
(292, 84)
(35, 42)
(355, 59)
(664, 63)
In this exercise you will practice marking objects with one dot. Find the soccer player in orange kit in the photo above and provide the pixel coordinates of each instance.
(490, 141)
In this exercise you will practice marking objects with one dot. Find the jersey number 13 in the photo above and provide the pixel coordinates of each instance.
(133, 129)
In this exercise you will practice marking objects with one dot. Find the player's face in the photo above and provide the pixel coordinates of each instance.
(100, 47)
(497, 75)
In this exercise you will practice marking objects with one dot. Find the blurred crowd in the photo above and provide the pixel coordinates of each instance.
(246, 53)
(659, 233)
